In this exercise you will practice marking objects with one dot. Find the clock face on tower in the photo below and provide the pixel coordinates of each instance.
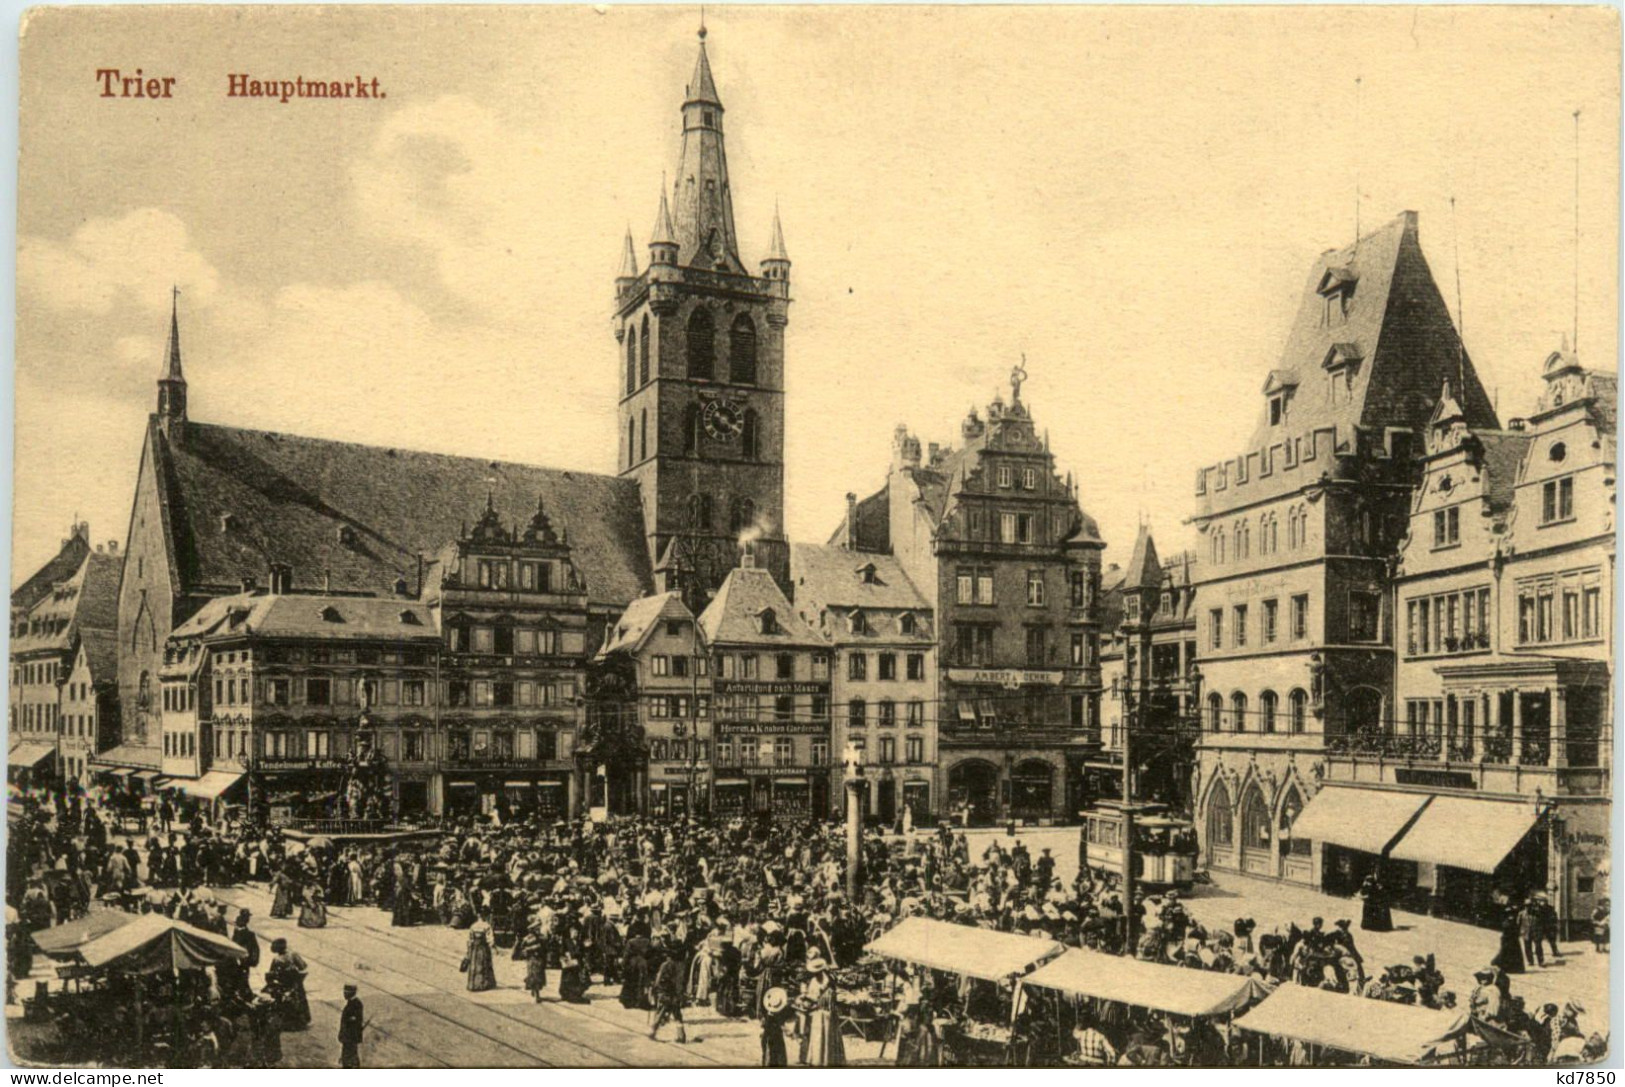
(721, 419)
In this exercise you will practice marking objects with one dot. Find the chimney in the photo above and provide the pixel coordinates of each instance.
(747, 561)
(249, 584)
(851, 521)
(281, 579)
(112, 547)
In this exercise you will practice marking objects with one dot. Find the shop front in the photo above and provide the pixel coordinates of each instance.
(1472, 876)
(791, 795)
(677, 790)
(510, 790)
(296, 787)
(732, 798)
(30, 764)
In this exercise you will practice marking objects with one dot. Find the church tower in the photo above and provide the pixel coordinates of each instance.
(701, 371)
(172, 382)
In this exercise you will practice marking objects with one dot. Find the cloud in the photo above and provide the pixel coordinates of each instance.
(135, 257)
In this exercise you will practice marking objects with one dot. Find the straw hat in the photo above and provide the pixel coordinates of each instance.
(774, 1000)
(816, 964)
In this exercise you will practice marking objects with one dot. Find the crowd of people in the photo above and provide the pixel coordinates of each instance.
(748, 919)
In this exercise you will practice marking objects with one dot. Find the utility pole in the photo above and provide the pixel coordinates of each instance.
(1139, 695)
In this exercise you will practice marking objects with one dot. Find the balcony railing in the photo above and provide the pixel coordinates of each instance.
(1495, 750)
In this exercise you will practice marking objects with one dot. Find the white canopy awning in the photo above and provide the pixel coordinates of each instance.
(1173, 989)
(1397, 1033)
(210, 786)
(963, 949)
(1365, 819)
(29, 755)
(1467, 832)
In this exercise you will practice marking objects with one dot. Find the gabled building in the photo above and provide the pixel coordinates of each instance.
(995, 541)
(658, 641)
(771, 678)
(72, 597)
(1150, 678)
(884, 680)
(89, 704)
(1298, 532)
(1504, 601)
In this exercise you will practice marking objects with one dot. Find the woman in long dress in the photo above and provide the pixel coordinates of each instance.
(313, 911)
(573, 979)
(534, 952)
(821, 1045)
(775, 1011)
(482, 973)
(705, 966)
(1510, 957)
(282, 886)
(635, 974)
(1374, 913)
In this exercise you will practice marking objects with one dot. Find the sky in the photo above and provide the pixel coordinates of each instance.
(1130, 198)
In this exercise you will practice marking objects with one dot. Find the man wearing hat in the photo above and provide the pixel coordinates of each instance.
(351, 1021)
(233, 976)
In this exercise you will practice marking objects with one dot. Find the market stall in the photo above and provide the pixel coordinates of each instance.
(1194, 994)
(1400, 1034)
(974, 1019)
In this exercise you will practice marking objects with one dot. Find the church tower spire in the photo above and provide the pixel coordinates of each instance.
(172, 382)
(700, 195)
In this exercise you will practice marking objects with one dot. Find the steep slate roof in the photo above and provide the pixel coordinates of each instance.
(732, 615)
(302, 615)
(1399, 327)
(287, 498)
(88, 601)
(830, 576)
(101, 654)
(1504, 451)
(58, 568)
(641, 616)
(1144, 571)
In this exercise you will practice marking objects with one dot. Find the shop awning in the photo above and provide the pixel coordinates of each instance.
(550, 784)
(1365, 819)
(1173, 989)
(65, 940)
(1397, 1033)
(155, 944)
(210, 786)
(27, 756)
(731, 781)
(517, 784)
(1467, 832)
(967, 710)
(462, 785)
(146, 775)
(962, 949)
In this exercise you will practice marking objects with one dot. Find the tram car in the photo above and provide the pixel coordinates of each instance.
(1164, 845)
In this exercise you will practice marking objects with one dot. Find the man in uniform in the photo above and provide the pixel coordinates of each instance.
(351, 1020)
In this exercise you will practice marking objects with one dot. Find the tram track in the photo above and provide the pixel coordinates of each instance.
(334, 952)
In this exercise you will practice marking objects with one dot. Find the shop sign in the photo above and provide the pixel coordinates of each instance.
(1584, 837)
(297, 763)
(771, 728)
(491, 764)
(748, 686)
(682, 771)
(1010, 678)
(1438, 779)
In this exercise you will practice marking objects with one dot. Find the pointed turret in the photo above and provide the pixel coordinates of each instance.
(777, 263)
(1144, 571)
(172, 382)
(701, 198)
(629, 259)
(663, 242)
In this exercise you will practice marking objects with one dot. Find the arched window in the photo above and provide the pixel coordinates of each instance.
(643, 442)
(1218, 546)
(702, 343)
(1298, 710)
(643, 355)
(1255, 820)
(750, 436)
(1221, 830)
(631, 442)
(631, 361)
(1238, 711)
(691, 430)
(742, 350)
(143, 692)
(1267, 703)
(1215, 712)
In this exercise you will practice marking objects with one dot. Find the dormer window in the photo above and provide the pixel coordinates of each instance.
(330, 614)
(346, 536)
(1277, 409)
(1337, 292)
(906, 624)
(410, 618)
(769, 622)
(868, 575)
(859, 623)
